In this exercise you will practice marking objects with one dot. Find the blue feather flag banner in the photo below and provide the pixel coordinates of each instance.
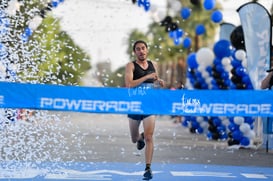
(256, 23)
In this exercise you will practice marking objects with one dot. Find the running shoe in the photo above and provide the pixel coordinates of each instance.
(141, 142)
(148, 174)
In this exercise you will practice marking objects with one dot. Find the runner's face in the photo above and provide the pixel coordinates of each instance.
(141, 51)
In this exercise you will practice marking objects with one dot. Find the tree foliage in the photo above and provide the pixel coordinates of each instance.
(49, 55)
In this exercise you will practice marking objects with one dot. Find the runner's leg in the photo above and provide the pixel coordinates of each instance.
(149, 125)
(134, 130)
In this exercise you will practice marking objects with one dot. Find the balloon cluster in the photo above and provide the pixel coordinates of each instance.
(223, 68)
(217, 128)
(185, 13)
(241, 131)
(220, 69)
(194, 76)
(239, 74)
(196, 125)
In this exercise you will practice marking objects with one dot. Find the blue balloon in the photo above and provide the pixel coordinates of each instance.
(177, 41)
(232, 127)
(246, 79)
(209, 135)
(198, 75)
(225, 76)
(232, 86)
(245, 141)
(221, 128)
(217, 122)
(241, 71)
(213, 82)
(172, 34)
(217, 16)
(237, 135)
(217, 61)
(204, 85)
(222, 49)
(195, 124)
(249, 86)
(187, 42)
(199, 130)
(54, 3)
(236, 63)
(219, 68)
(249, 120)
(227, 81)
(191, 60)
(209, 4)
(209, 70)
(200, 29)
(192, 80)
(179, 32)
(215, 87)
(147, 5)
(185, 13)
(185, 123)
(223, 136)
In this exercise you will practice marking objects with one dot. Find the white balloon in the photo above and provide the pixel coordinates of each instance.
(244, 62)
(176, 6)
(159, 16)
(205, 74)
(205, 56)
(225, 61)
(240, 55)
(204, 125)
(208, 80)
(228, 68)
(250, 134)
(225, 121)
(244, 128)
(201, 68)
(199, 119)
(239, 120)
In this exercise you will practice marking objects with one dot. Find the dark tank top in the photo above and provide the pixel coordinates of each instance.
(140, 72)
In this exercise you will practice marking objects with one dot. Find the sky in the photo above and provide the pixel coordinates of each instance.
(102, 27)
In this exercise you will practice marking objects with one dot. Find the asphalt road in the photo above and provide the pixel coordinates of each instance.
(106, 139)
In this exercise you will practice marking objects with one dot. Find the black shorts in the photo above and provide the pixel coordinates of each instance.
(138, 117)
